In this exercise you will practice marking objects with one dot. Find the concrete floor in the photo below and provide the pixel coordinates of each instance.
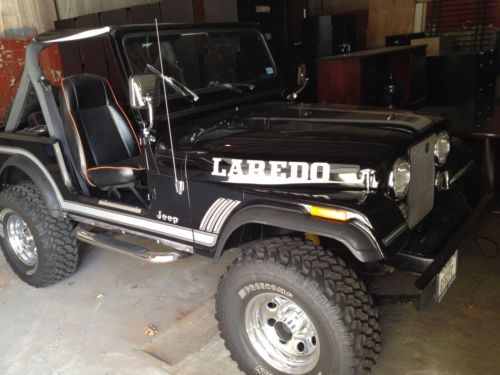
(94, 322)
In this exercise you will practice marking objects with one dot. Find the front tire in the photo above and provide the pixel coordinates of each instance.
(288, 307)
(40, 249)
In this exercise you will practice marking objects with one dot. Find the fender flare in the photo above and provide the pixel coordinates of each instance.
(357, 238)
(29, 168)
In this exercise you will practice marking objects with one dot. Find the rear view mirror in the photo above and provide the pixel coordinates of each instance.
(143, 87)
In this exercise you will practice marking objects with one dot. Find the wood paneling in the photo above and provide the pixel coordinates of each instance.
(25, 18)
(75, 8)
(389, 17)
(317, 7)
(145, 13)
(340, 82)
(199, 10)
(221, 11)
(115, 17)
(91, 50)
(70, 52)
(177, 11)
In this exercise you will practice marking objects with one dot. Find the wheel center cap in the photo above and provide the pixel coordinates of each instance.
(283, 331)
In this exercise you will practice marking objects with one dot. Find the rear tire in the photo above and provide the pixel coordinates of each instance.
(278, 285)
(40, 249)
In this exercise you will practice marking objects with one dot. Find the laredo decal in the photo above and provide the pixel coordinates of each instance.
(284, 172)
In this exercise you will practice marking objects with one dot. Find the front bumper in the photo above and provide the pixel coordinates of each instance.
(426, 283)
(428, 265)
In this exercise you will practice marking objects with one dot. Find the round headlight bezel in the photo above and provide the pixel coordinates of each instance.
(400, 177)
(442, 147)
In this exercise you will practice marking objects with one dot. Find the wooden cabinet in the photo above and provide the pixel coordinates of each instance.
(359, 78)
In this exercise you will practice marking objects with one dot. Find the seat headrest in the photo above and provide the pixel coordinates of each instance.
(87, 91)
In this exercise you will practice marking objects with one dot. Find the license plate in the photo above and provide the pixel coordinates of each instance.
(446, 277)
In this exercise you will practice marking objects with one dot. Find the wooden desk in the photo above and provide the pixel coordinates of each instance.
(478, 121)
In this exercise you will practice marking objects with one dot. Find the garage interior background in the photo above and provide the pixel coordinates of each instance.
(364, 24)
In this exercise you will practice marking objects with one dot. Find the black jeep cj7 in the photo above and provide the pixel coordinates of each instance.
(209, 154)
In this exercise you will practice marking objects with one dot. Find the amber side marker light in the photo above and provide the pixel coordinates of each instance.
(329, 213)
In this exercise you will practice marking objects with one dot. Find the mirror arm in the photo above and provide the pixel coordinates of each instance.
(294, 95)
(149, 102)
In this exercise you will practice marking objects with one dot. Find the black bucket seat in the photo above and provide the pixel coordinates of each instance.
(101, 138)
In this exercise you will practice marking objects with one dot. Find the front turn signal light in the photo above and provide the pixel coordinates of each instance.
(329, 213)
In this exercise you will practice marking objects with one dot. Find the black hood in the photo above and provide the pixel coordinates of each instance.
(310, 133)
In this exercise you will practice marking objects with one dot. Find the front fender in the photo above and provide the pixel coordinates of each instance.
(357, 238)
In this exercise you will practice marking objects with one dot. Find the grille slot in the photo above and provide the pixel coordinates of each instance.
(423, 174)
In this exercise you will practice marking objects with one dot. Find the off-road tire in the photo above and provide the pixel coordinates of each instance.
(320, 283)
(56, 245)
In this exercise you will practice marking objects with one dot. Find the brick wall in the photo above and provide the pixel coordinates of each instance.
(12, 54)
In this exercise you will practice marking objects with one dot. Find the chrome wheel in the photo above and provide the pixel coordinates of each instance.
(21, 240)
(282, 333)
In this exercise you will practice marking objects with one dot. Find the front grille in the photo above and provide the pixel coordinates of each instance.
(423, 174)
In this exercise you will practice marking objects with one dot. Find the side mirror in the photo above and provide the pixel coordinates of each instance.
(302, 81)
(143, 88)
(301, 75)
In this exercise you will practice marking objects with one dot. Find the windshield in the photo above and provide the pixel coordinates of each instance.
(200, 60)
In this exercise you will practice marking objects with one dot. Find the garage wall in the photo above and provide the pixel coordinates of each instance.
(389, 17)
(75, 8)
(24, 18)
(336, 6)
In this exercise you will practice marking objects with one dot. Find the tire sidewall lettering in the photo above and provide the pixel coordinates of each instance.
(261, 370)
(263, 287)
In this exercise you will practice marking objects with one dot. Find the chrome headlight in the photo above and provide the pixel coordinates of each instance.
(442, 148)
(399, 179)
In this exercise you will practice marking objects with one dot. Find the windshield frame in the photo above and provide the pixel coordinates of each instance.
(130, 32)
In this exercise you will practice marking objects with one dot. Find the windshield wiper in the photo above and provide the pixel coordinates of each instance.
(225, 125)
(233, 86)
(197, 134)
(176, 85)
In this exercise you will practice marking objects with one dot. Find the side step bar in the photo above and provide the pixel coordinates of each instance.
(122, 246)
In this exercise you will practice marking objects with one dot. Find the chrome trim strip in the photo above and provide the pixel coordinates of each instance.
(461, 172)
(387, 240)
(135, 210)
(187, 234)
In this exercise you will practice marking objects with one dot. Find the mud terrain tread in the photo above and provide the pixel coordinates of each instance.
(56, 234)
(334, 280)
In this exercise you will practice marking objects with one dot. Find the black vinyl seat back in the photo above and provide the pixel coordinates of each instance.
(96, 127)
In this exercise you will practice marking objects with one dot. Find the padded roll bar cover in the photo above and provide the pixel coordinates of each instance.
(357, 241)
(38, 178)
